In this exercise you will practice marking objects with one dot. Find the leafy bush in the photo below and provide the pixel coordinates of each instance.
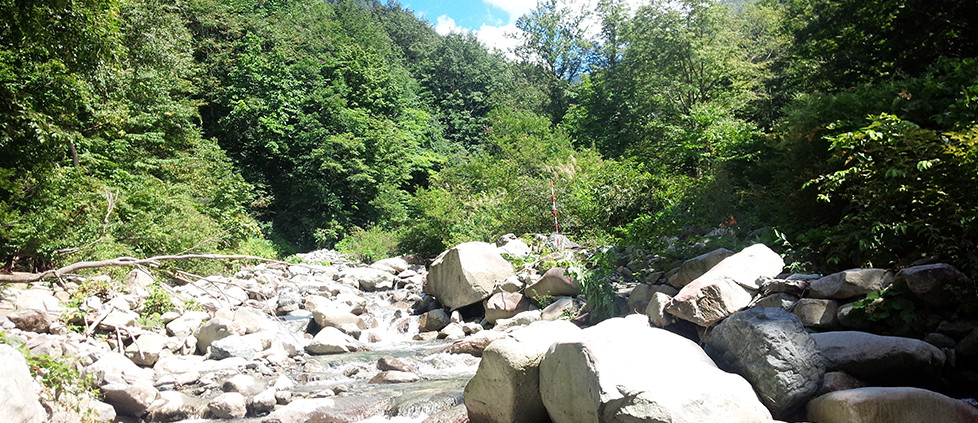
(369, 245)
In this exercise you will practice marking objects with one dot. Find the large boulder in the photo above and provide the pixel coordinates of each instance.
(503, 305)
(19, 390)
(727, 287)
(928, 282)
(817, 313)
(146, 349)
(555, 282)
(850, 283)
(697, 266)
(506, 387)
(368, 279)
(771, 349)
(622, 370)
(889, 405)
(466, 274)
(889, 358)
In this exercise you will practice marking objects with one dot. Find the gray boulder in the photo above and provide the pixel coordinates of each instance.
(697, 266)
(334, 410)
(928, 282)
(215, 329)
(656, 310)
(817, 313)
(31, 320)
(146, 349)
(332, 341)
(771, 349)
(622, 370)
(229, 405)
(368, 279)
(850, 284)
(563, 307)
(727, 287)
(130, 399)
(19, 390)
(434, 320)
(889, 405)
(889, 358)
(506, 387)
(174, 406)
(466, 274)
(555, 282)
(503, 305)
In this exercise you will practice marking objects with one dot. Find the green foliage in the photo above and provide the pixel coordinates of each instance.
(157, 302)
(890, 307)
(596, 285)
(369, 245)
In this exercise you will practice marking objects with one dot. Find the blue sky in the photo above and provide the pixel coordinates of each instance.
(490, 20)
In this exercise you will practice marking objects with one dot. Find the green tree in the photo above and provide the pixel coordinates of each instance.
(554, 38)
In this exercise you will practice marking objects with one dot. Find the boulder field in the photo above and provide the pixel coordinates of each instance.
(726, 336)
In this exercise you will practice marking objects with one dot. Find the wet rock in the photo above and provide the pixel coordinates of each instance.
(332, 341)
(771, 349)
(466, 274)
(392, 363)
(19, 390)
(504, 305)
(475, 344)
(555, 282)
(850, 283)
(452, 332)
(889, 405)
(434, 320)
(394, 376)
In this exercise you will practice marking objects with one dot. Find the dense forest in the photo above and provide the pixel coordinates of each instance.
(268, 127)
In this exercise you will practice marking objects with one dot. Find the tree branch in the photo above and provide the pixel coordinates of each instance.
(16, 277)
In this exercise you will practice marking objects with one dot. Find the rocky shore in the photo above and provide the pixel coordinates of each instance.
(493, 333)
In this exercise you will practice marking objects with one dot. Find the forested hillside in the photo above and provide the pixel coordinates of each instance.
(142, 127)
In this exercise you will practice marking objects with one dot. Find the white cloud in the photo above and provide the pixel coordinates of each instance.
(498, 37)
(515, 8)
(446, 25)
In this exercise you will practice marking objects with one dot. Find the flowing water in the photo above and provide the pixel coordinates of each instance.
(443, 376)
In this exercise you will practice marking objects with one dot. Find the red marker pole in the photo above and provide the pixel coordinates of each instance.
(553, 199)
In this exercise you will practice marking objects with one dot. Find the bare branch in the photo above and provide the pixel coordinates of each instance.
(20, 277)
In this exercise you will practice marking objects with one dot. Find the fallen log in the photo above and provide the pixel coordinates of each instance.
(23, 277)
